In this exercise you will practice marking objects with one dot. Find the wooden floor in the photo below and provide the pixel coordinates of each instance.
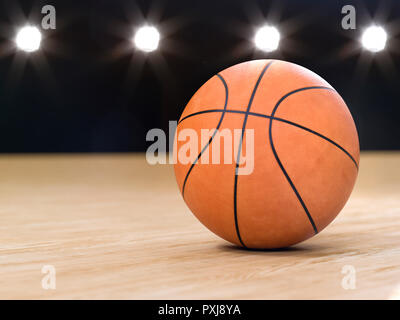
(115, 227)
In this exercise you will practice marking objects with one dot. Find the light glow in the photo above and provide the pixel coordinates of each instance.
(28, 39)
(374, 38)
(267, 38)
(147, 38)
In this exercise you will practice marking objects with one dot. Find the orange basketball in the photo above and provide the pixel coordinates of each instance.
(305, 154)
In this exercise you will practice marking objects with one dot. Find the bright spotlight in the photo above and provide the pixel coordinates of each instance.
(28, 39)
(374, 38)
(147, 38)
(267, 38)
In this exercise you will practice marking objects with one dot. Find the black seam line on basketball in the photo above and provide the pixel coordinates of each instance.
(261, 115)
(200, 112)
(319, 135)
(240, 150)
(212, 137)
(271, 141)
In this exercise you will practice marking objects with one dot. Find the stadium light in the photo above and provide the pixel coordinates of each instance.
(374, 38)
(28, 39)
(147, 38)
(267, 38)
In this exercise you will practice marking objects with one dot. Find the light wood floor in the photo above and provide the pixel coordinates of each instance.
(115, 227)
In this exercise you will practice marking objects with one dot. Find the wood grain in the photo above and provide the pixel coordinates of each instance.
(115, 227)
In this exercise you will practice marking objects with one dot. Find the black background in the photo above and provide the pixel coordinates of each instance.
(89, 90)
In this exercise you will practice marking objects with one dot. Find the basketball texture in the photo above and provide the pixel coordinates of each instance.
(305, 159)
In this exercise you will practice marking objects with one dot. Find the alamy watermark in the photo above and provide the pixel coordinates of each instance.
(49, 20)
(349, 20)
(209, 146)
(49, 280)
(349, 279)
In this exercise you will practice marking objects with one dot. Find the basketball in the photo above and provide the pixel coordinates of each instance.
(295, 135)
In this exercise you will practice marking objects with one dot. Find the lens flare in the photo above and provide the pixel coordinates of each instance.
(147, 38)
(267, 38)
(28, 39)
(374, 38)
